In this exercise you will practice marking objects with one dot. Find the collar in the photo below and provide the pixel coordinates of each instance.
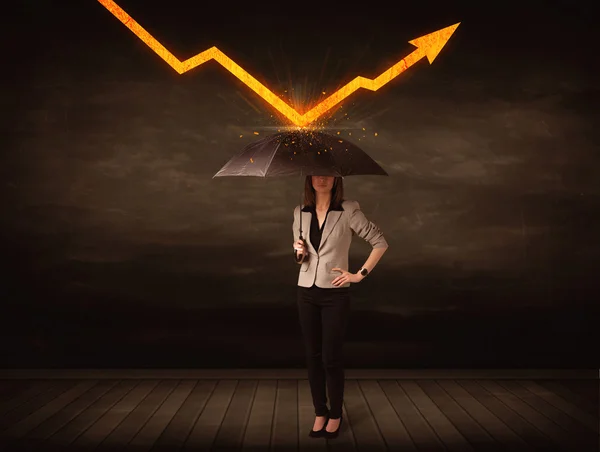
(311, 209)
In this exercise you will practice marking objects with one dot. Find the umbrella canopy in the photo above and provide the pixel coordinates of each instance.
(301, 153)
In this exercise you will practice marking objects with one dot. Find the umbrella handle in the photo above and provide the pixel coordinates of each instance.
(297, 256)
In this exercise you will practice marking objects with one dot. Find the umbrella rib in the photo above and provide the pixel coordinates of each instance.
(272, 157)
(334, 162)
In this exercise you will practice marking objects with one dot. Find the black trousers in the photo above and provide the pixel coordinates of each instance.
(323, 315)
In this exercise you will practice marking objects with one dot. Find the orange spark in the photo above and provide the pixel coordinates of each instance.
(428, 46)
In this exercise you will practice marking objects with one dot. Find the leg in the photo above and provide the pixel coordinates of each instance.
(335, 319)
(310, 322)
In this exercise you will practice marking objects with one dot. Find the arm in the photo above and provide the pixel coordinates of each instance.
(368, 231)
(372, 260)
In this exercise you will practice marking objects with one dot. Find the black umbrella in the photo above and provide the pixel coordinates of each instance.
(301, 153)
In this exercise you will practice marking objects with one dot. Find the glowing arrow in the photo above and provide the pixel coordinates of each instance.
(428, 46)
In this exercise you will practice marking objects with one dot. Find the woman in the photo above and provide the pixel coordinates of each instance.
(328, 222)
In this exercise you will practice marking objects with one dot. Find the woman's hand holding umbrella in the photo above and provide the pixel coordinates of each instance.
(300, 250)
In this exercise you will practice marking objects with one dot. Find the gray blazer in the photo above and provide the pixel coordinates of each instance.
(335, 243)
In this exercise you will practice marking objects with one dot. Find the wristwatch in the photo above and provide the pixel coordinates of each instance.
(364, 272)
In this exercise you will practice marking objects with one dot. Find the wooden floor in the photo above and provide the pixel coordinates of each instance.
(271, 414)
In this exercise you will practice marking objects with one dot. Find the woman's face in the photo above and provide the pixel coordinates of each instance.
(323, 184)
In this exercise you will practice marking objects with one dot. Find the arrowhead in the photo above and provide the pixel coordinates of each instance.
(433, 43)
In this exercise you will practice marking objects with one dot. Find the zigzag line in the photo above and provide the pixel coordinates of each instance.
(428, 45)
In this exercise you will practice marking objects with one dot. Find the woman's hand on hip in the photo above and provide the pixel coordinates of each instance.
(345, 277)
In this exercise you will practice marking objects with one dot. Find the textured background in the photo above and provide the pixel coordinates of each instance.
(121, 250)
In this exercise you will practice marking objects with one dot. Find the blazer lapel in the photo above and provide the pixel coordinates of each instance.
(332, 219)
(306, 220)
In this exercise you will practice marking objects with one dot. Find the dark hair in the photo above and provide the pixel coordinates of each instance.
(337, 192)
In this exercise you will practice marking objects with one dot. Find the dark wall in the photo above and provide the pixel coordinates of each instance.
(121, 250)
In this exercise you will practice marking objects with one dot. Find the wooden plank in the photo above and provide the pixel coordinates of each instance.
(208, 423)
(7, 386)
(583, 435)
(138, 415)
(12, 388)
(447, 432)
(519, 425)
(97, 432)
(231, 433)
(68, 413)
(465, 424)
(176, 433)
(588, 389)
(260, 421)
(35, 403)
(285, 419)
(67, 434)
(566, 393)
(36, 388)
(391, 427)
(146, 437)
(366, 432)
(418, 428)
(583, 438)
(549, 428)
(21, 428)
(582, 417)
(502, 433)
(306, 419)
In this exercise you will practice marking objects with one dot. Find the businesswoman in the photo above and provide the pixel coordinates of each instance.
(328, 223)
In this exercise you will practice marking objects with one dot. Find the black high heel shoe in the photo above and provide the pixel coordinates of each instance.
(331, 435)
(319, 433)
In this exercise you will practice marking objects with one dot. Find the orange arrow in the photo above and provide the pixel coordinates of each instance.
(428, 46)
